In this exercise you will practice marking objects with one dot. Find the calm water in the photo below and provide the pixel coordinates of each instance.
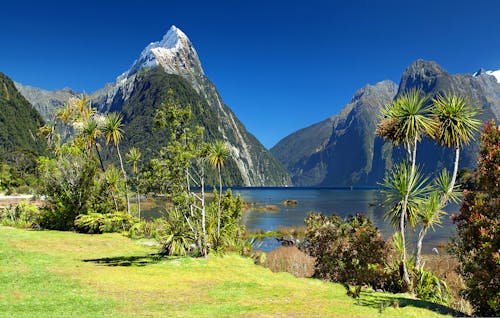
(326, 200)
(340, 201)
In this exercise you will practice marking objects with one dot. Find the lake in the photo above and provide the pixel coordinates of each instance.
(342, 201)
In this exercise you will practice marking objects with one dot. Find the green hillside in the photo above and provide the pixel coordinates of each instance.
(150, 90)
(19, 123)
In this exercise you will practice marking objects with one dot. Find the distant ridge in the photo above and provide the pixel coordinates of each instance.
(343, 149)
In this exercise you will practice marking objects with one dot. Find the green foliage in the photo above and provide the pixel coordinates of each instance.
(19, 123)
(152, 89)
(97, 223)
(477, 243)
(154, 229)
(406, 118)
(230, 229)
(71, 185)
(350, 251)
(24, 215)
(397, 183)
(68, 184)
(429, 287)
(454, 118)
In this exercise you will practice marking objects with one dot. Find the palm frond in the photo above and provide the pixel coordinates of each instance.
(395, 185)
(455, 120)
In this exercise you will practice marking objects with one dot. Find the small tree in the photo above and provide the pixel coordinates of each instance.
(455, 126)
(133, 156)
(349, 251)
(477, 244)
(217, 155)
(405, 121)
(113, 133)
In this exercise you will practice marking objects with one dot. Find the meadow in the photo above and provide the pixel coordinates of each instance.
(52, 273)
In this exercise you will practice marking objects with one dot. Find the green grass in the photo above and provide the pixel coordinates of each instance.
(48, 273)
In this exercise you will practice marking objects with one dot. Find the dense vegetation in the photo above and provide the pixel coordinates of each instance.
(477, 243)
(19, 144)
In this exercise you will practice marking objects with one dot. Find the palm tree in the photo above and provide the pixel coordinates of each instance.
(455, 126)
(395, 190)
(218, 153)
(133, 157)
(405, 120)
(113, 132)
(90, 134)
(430, 215)
(431, 211)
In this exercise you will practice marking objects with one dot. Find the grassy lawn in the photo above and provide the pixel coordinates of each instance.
(53, 274)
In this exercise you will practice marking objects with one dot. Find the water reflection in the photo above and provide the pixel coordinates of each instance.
(326, 200)
(340, 201)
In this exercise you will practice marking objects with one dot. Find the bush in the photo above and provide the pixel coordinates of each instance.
(72, 186)
(97, 223)
(292, 260)
(147, 229)
(429, 287)
(477, 243)
(24, 214)
(349, 251)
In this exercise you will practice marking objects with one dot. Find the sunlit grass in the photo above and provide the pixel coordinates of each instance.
(66, 274)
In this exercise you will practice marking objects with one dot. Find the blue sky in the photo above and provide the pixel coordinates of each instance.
(280, 65)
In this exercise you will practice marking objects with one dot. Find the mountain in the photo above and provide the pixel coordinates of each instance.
(44, 101)
(172, 63)
(338, 150)
(343, 150)
(19, 123)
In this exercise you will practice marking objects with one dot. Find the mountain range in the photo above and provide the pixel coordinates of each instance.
(343, 150)
(172, 63)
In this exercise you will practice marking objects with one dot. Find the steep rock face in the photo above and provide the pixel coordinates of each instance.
(176, 55)
(343, 150)
(46, 102)
(19, 123)
(483, 92)
(339, 150)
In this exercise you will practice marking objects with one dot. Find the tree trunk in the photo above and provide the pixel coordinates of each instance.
(453, 177)
(404, 270)
(203, 217)
(220, 198)
(138, 196)
(418, 252)
(106, 177)
(124, 178)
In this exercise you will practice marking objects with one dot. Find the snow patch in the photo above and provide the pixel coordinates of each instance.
(496, 74)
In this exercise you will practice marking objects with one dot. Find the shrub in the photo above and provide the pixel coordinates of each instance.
(477, 243)
(349, 251)
(24, 214)
(431, 288)
(72, 186)
(147, 229)
(290, 259)
(96, 223)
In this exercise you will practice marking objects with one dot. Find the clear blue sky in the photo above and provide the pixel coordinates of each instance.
(280, 65)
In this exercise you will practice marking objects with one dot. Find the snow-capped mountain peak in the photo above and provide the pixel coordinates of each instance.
(174, 52)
